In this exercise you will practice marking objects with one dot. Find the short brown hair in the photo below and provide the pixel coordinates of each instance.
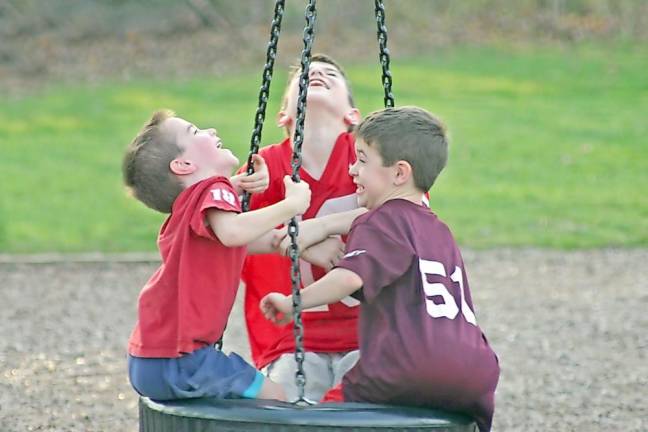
(146, 165)
(410, 134)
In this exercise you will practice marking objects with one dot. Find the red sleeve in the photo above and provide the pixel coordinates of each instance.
(221, 196)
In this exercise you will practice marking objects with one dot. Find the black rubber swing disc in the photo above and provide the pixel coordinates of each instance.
(210, 415)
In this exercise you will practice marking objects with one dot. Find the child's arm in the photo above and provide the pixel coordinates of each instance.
(264, 244)
(256, 182)
(325, 254)
(238, 229)
(313, 231)
(333, 287)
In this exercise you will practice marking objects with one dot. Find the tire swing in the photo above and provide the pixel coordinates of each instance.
(226, 415)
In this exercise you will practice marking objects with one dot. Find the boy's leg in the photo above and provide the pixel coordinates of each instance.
(342, 363)
(271, 390)
(206, 372)
(319, 376)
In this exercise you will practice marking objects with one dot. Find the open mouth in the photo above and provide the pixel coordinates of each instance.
(316, 82)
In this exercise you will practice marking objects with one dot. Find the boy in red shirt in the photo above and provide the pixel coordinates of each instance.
(174, 167)
(419, 340)
(330, 331)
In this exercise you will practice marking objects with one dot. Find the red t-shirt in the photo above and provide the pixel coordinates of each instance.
(184, 306)
(331, 328)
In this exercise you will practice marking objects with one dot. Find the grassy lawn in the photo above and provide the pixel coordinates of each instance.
(549, 147)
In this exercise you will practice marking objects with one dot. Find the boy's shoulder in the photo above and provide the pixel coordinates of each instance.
(279, 149)
(399, 216)
(191, 194)
(277, 157)
(396, 208)
(382, 217)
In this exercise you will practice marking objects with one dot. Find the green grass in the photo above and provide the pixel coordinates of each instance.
(549, 147)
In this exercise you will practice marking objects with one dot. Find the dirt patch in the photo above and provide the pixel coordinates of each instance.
(569, 329)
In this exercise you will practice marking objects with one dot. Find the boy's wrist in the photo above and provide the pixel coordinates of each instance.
(235, 180)
(289, 304)
(327, 227)
(292, 206)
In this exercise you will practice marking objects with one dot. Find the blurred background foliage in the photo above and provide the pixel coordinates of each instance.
(546, 101)
(92, 39)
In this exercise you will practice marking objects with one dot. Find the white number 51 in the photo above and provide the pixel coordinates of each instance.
(448, 308)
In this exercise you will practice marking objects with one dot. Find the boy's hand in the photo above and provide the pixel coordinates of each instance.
(311, 232)
(277, 308)
(277, 240)
(325, 254)
(258, 181)
(297, 195)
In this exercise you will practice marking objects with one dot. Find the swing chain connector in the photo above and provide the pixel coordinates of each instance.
(295, 274)
(384, 53)
(264, 93)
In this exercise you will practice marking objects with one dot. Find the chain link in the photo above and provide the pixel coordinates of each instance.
(293, 229)
(264, 92)
(384, 54)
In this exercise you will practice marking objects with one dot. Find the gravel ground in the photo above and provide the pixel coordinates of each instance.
(569, 327)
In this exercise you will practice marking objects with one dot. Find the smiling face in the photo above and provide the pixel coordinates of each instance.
(374, 182)
(202, 149)
(327, 90)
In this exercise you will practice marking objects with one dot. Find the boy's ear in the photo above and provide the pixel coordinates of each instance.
(352, 118)
(283, 119)
(182, 167)
(403, 172)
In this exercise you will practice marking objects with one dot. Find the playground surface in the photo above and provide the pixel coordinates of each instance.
(569, 328)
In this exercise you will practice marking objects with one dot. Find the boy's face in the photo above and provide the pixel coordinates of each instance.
(374, 182)
(327, 88)
(202, 148)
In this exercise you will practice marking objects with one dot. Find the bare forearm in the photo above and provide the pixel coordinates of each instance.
(250, 225)
(262, 245)
(240, 229)
(340, 223)
(333, 287)
(314, 231)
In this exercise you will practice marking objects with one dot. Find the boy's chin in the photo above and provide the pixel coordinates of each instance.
(362, 201)
(232, 163)
(321, 99)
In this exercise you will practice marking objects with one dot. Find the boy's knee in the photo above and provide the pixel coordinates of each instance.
(271, 390)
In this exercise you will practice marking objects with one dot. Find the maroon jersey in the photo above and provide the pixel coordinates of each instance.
(419, 340)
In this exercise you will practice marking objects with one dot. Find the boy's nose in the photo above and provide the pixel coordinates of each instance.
(212, 131)
(352, 169)
(315, 71)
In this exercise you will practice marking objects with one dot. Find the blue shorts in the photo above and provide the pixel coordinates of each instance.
(206, 372)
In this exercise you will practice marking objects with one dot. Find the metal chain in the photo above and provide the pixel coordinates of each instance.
(384, 54)
(264, 92)
(293, 229)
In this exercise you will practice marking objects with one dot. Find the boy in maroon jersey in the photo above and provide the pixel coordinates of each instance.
(419, 340)
(330, 331)
(174, 167)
